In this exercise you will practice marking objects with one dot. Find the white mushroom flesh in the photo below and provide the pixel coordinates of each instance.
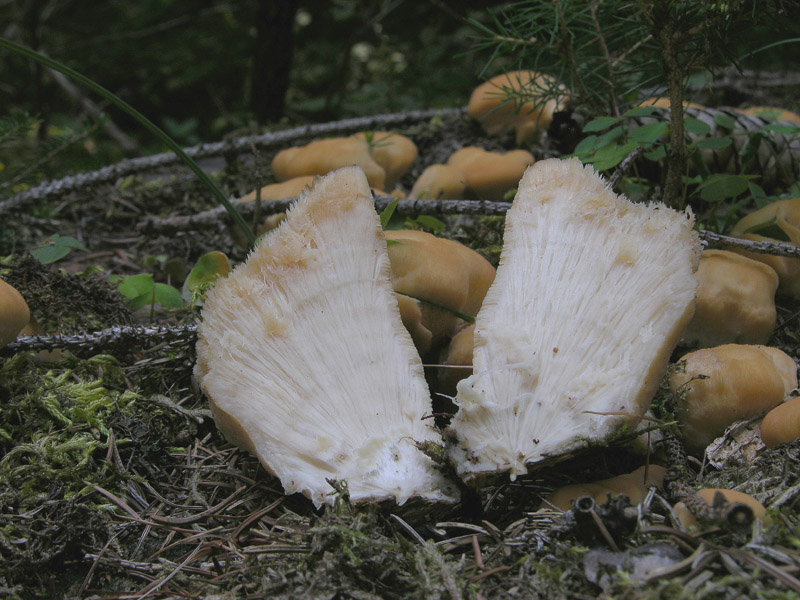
(591, 296)
(306, 362)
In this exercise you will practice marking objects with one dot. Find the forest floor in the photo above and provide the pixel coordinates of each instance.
(115, 483)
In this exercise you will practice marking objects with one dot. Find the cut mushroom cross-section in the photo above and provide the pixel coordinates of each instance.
(573, 337)
(306, 362)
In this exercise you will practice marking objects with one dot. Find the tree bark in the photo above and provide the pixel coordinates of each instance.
(272, 58)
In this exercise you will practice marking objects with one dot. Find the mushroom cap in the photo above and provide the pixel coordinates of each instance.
(633, 485)
(459, 353)
(781, 425)
(708, 495)
(490, 104)
(591, 296)
(14, 313)
(490, 175)
(438, 271)
(439, 181)
(291, 188)
(664, 103)
(392, 151)
(735, 300)
(322, 156)
(436, 280)
(306, 363)
(780, 218)
(726, 384)
(772, 113)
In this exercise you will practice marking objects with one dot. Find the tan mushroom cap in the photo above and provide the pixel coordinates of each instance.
(735, 300)
(439, 181)
(438, 270)
(322, 156)
(664, 103)
(291, 188)
(392, 151)
(689, 520)
(728, 383)
(781, 425)
(490, 104)
(459, 353)
(772, 113)
(633, 485)
(435, 278)
(14, 313)
(785, 216)
(489, 175)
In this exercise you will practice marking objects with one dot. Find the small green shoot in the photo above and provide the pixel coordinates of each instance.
(141, 291)
(55, 248)
(208, 268)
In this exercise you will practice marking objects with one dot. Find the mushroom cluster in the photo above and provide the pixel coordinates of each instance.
(720, 385)
(475, 172)
(382, 155)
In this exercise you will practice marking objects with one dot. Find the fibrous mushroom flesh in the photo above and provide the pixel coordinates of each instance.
(305, 360)
(591, 296)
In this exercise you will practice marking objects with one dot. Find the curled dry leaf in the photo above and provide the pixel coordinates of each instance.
(305, 360)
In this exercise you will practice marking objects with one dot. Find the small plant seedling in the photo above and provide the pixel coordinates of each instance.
(208, 268)
(140, 291)
(55, 248)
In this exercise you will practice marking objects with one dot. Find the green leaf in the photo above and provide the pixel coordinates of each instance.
(141, 300)
(642, 111)
(136, 285)
(769, 229)
(587, 144)
(55, 248)
(431, 223)
(656, 154)
(783, 129)
(696, 126)
(208, 268)
(167, 296)
(610, 156)
(720, 187)
(714, 143)
(725, 121)
(600, 123)
(50, 254)
(649, 133)
(386, 213)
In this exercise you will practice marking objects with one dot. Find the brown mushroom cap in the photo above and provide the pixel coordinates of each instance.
(14, 313)
(435, 278)
(459, 353)
(322, 156)
(490, 175)
(633, 485)
(664, 103)
(729, 383)
(781, 218)
(392, 151)
(781, 425)
(708, 495)
(439, 181)
(735, 300)
(490, 104)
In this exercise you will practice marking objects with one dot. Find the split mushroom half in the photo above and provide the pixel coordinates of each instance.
(591, 296)
(306, 362)
(721, 385)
